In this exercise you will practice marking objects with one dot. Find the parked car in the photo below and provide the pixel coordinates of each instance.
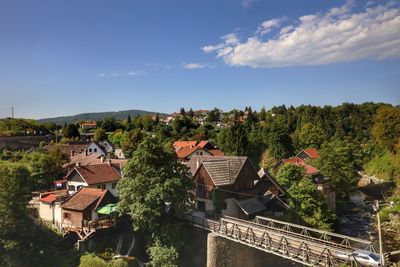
(363, 257)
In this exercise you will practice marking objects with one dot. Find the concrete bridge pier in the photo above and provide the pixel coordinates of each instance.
(222, 252)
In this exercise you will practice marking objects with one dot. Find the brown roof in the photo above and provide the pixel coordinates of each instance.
(310, 170)
(179, 144)
(84, 160)
(186, 148)
(222, 170)
(67, 148)
(84, 198)
(98, 174)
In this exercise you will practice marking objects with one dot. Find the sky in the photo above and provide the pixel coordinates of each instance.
(68, 57)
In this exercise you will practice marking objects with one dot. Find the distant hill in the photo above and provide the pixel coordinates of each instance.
(96, 116)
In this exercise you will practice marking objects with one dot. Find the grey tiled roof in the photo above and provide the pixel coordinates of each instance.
(250, 205)
(222, 170)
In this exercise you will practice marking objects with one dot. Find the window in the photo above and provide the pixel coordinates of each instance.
(201, 153)
(95, 150)
(90, 150)
(78, 187)
(66, 215)
(113, 185)
(71, 188)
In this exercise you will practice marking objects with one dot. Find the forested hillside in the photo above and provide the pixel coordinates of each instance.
(96, 116)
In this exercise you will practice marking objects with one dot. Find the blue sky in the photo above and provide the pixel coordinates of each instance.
(68, 57)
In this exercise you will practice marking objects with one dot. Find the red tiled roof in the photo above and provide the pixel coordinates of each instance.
(97, 174)
(84, 198)
(186, 151)
(312, 152)
(180, 144)
(49, 198)
(300, 162)
(202, 144)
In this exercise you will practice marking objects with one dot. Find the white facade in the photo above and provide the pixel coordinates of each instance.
(199, 152)
(119, 153)
(94, 148)
(50, 212)
(74, 186)
(107, 146)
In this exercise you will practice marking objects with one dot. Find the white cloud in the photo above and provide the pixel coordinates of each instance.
(192, 66)
(248, 3)
(137, 73)
(337, 35)
(268, 25)
(102, 74)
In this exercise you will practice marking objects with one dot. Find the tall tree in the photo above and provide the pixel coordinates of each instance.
(155, 186)
(191, 113)
(278, 139)
(14, 193)
(71, 131)
(182, 112)
(233, 140)
(339, 161)
(386, 128)
(100, 135)
(309, 135)
(131, 142)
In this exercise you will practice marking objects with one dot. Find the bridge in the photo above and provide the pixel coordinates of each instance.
(305, 245)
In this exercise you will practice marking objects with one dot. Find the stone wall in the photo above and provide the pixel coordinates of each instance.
(222, 252)
(22, 142)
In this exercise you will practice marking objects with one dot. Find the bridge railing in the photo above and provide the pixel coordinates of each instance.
(312, 233)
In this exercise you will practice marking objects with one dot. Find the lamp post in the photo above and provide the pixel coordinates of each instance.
(381, 257)
(376, 208)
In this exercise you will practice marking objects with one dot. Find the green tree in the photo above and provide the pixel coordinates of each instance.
(43, 169)
(91, 260)
(214, 116)
(131, 142)
(71, 131)
(339, 161)
(191, 113)
(163, 256)
(233, 140)
(309, 136)
(110, 124)
(267, 161)
(278, 139)
(155, 186)
(14, 194)
(386, 128)
(100, 134)
(289, 175)
(304, 197)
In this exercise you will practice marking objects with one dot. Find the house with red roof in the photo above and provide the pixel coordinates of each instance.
(79, 211)
(323, 183)
(50, 206)
(185, 150)
(102, 176)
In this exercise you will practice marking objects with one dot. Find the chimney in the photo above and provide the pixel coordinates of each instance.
(109, 162)
(197, 164)
(78, 164)
(86, 152)
(102, 159)
(72, 152)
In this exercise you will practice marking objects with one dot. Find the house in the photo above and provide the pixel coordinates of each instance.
(309, 153)
(102, 176)
(227, 185)
(88, 124)
(323, 183)
(185, 150)
(50, 206)
(68, 149)
(96, 147)
(108, 147)
(79, 211)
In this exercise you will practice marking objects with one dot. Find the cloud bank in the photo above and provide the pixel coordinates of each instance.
(335, 36)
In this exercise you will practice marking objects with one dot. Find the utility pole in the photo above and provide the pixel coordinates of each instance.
(12, 112)
(381, 256)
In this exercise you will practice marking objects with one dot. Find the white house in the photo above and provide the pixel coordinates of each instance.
(104, 176)
(96, 147)
(50, 206)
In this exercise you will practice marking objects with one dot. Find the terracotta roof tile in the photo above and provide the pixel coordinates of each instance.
(97, 174)
(84, 198)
